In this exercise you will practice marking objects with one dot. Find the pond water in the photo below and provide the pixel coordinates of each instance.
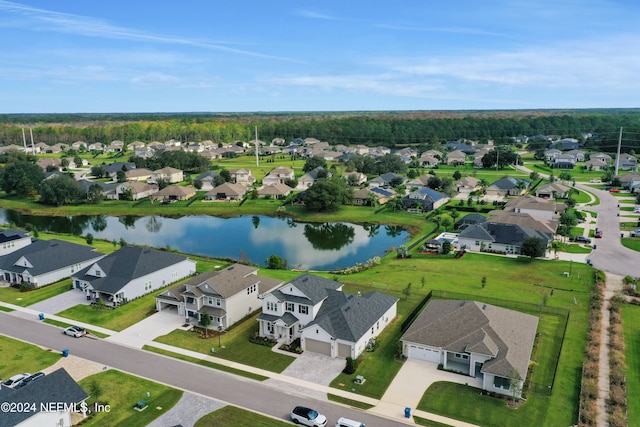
(313, 246)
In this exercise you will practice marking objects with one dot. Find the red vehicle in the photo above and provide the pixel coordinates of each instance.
(614, 190)
(598, 234)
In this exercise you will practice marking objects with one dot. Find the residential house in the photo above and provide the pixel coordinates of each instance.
(419, 182)
(111, 170)
(563, 161)
(327, 320)
(424, 200)
(228, 191)
(308, 179)
(467, 220)
(136, 145)
(131, 272)
(276, 190)
(79, 146)
(145, 152)
(602, 157)
(578, 155)
(596, 165)
(382, 195)
(108, 188)
(53, 398)
(523, 219)
(476, 339)
(168, 174)
(45, 261)
(508, 186)
(551, 154)
(228, 295)
(363, 197)
(629, 180)
(242, 176)
(11, 240)
(428, 161)
(491, 236)
(47, 163)
(278, 176)
(478, 156)
(626, 162)
(467, 185)
(58, 148)
(207, 179)
(134, 190)
(406, 152)
(96, 146)
(435, 153)
(354, 178)
(456, 158)
(387, 180)
(174, 193)
(115, 146)
(553, 190)
(535, 206)
(142, 174)
(459, 146)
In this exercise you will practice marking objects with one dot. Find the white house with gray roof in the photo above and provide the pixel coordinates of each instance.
(480, 340)
(46, 261)
(491, 236)
(11, 240)
(327, 320)
(131, 272)
(227, 295)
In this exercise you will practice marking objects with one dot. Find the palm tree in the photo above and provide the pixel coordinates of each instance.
(395, 204)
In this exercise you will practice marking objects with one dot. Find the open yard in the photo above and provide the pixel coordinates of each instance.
(122, 391)
(32, 296)
(231, 416)
(18, 357)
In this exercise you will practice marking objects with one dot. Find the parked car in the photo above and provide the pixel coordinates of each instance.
(581, 239)
(28, 380)
(74, 331)
(635, 233)
(346, 422)
(598, 234)
(594, 181)
(636, 209)
(15, 380)
(308, 417)
(614, 190)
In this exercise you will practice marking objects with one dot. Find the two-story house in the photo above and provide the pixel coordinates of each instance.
(325, 319)
(168, 174)
(242, 176)
(227, 295)
(278, 176)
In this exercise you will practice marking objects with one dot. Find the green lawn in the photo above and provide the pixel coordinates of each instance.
(230, 416)
(572, 248)
(19, 356)
(632, 243)
(631, 322)
(122, 391)
(66, 325)
(24, 299)
(236, 346)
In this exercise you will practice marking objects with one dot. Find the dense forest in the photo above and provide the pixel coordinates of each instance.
(391, 129)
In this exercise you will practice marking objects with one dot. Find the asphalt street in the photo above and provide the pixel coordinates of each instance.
(232, 389)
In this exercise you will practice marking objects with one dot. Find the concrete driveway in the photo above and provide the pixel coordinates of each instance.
(156, 325)
(61, 302)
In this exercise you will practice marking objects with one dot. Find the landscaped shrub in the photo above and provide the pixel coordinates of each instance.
(351, 366)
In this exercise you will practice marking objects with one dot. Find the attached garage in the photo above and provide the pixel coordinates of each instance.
(423, 353)
(316, 346)
(344, 350)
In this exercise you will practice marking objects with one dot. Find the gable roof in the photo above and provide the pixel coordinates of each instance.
(175, 190)
(276, 189)
(228, 282)
(118, 166)
(471, 326)
(508, 183)
(386, 178)
(503, 233)
(126, 264)
(315, 289)
(426, 193)
(57, 386)
(530, 202)
(11, 234)
(348, 317)
(228, 188)
(48, 255)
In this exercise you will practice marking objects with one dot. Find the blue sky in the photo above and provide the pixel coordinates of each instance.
(69, 56)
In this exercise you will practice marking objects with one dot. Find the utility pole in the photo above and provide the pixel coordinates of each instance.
(257, 157)
(618, 152)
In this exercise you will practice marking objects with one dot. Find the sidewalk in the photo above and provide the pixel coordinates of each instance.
(387, 407)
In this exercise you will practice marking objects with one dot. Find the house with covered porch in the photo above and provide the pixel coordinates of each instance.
(475, 339)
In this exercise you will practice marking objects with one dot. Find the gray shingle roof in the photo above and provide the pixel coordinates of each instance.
(314, 287)
(58, 386)
(465, 326)
(48, 255)
(126, 264)
(348, 317)
(508, 234)
(11, 234)
(231, 280)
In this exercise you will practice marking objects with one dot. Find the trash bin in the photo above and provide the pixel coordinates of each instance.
(595, 247)
(41, 316)
(407, 412)
(65, 352)
(621, 234)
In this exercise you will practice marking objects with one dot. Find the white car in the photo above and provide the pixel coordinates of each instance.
(15, 380)
(308, 417)
(595, 181)
(346, 422)
(74, 331)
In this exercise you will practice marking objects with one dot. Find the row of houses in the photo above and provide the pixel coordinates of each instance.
(597, 161)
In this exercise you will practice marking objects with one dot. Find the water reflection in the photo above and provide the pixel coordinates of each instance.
(253, 238)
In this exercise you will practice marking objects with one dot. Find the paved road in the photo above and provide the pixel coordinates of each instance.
(235, 390)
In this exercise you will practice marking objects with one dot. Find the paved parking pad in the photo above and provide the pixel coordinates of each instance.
(189, 409)
(148, 329)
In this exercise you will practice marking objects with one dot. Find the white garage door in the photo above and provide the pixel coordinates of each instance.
(423, 353)
(344, 350)
(315, 346)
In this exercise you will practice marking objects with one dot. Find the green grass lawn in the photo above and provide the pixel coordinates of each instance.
(236, 346)
(572, 248)
(24, 299)
(231, 416)
(66, 325)
(632, 243)
(122, 391)
(19, 356)
(631, 322)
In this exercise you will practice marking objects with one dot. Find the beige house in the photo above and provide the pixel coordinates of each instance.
(168, 174)
(174, 193)
(141, 174)
(467, 185)
(242, 176)
(276, 190)
(455, 157)
(227, 192)
(278, 176)
(139, 190)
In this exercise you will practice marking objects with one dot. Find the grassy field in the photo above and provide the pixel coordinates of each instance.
(24, 299)
(236, 346)
(631, 321)
(230, 416)
(632, 243)
(122, 391)
(18, 357)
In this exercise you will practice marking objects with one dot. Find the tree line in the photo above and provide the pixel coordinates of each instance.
(386, 129)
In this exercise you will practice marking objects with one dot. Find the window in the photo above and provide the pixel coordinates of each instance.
(303, 309)
(461, 356)
(270, 327)
(191, 300)
(271, 306)
(289, 306)
(218, 302)
(147, 285)
(210, 300)
(251, 289)
(499, 382)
